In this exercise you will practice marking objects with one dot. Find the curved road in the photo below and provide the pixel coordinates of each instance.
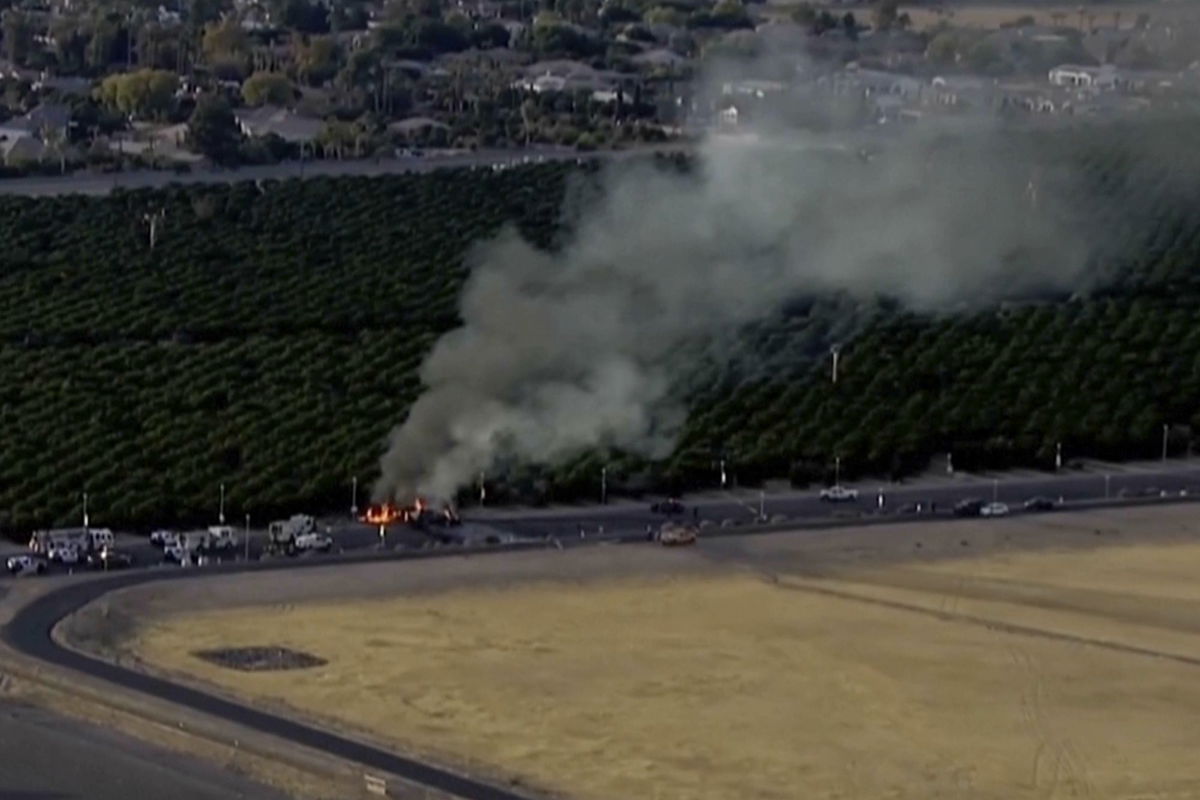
(30, 629)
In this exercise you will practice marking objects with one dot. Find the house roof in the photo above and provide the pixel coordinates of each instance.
(21, 147)
(659, 57)
(281, 122)
(416, 124)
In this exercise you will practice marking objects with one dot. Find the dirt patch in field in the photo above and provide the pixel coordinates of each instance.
(260, 659)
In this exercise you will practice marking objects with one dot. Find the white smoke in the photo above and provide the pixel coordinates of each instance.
(562, 352)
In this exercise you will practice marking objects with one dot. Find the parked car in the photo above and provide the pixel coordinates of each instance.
(971, 507)
(25, 565)
(162, 537)
(670, 506)
(63, 553)
(109, 559)
(1040, 504)
(994, 510)
(838, 494)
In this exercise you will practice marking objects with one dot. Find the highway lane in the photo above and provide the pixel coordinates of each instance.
(625, 518)
(44, 756)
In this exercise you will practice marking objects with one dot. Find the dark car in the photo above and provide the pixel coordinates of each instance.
(109, 559)
(972, 507)
(1040, 504)
(671, 506)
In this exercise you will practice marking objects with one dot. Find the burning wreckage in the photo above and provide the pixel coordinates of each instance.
(435, 523)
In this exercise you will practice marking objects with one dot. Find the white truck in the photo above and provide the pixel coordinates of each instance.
(196, 546)
(297, 534)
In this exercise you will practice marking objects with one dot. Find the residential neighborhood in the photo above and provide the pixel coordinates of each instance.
(92, 85)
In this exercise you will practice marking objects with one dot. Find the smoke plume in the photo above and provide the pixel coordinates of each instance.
(562, 352)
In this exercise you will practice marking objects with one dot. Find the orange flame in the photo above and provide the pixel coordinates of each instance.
(385, 514)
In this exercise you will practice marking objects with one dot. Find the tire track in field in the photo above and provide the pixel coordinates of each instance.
(970, 619)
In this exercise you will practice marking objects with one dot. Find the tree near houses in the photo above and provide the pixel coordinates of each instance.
(213, 131)
(144, 93)
(267, 88)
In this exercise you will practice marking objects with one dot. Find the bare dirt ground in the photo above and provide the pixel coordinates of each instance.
(1034, 657)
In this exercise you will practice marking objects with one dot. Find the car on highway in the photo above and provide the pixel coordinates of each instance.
(668, 506)
(971, 507)
(25, 565)
(838, 494)
(994, 510)
(110, 559)
(1040, 504)
(313, 542)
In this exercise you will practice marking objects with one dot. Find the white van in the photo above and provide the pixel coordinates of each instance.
(101, 539)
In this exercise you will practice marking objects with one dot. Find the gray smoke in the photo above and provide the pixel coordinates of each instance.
(562, 352)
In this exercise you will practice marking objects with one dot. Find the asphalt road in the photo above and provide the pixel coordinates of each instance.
(105, 183)
(44, 756)
(29, 632)
(626, 518)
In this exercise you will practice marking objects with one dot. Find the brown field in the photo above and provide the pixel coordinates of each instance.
(1059, 659)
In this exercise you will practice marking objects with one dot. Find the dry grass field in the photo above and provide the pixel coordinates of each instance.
(754, 669)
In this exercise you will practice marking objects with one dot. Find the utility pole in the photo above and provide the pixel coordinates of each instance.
(247, 537)
(603, 486)
(1166, 429)
(221, 512)
(834, 352)
(354, 496)
(153, 221)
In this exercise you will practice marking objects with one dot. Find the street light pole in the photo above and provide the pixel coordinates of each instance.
(837, 471)
(354, 497)
(1166, 428)
(85, 513)
(247, 537)
(835, 351)
(221, 512)
(603, 485)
